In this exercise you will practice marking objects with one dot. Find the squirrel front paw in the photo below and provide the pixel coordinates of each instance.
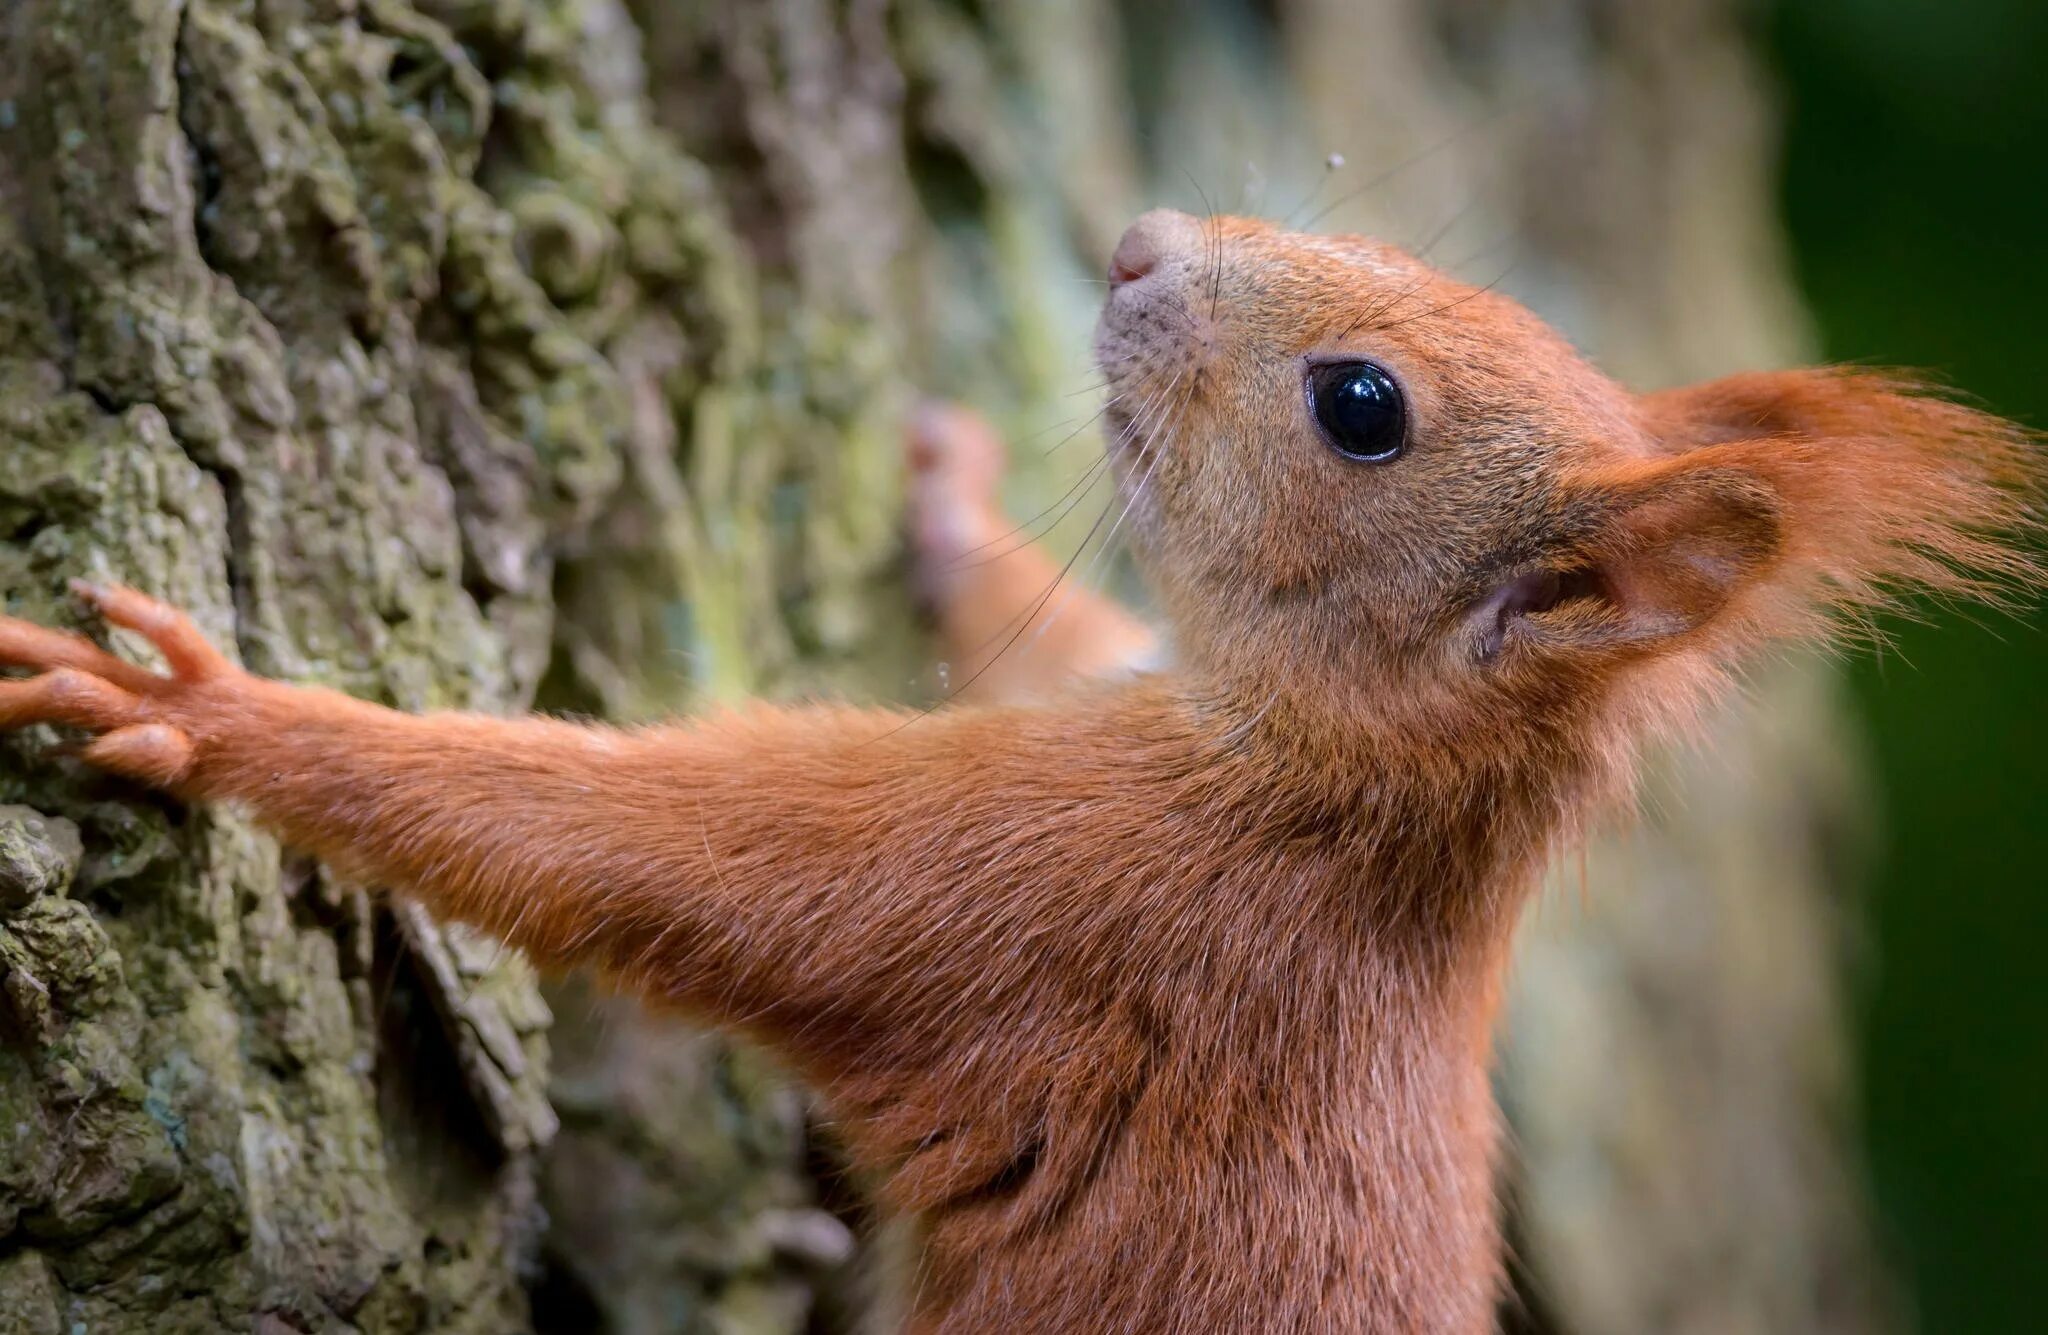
(956, 462)
(150, 725)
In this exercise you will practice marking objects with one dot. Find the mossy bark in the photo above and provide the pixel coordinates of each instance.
(397, 343)
(494, 353)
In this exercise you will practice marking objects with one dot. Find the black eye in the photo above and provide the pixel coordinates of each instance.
(1360, 410)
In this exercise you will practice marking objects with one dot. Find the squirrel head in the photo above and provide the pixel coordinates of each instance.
(1358, 483)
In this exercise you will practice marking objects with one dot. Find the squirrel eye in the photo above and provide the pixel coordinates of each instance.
(1360, 410)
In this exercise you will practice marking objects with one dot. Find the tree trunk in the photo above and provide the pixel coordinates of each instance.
(434, 350)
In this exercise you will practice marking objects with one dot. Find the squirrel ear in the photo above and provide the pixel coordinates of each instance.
(1794, 494)
(1758, 404)
(1655, 556)
(1886, 484)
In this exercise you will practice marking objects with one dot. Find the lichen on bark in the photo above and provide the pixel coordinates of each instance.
(323, 320)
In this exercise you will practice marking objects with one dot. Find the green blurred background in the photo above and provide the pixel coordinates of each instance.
(1915, 190)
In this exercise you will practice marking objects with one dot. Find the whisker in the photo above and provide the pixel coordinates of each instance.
(1332, 164)
(1030, 614)
(1459, 301)
(1065, 505)
(1383, 307)
(1047, 430)
(1412, 160)
(1503, 239)
(1130, 504)
(1216, 267)
(1147, 413)
(1436, 237)
(1210, 234)
(1092, 418)
(1086, 422)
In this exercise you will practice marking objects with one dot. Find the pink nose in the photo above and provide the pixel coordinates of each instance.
(1148, 242)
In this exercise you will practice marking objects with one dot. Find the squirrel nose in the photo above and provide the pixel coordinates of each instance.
(1148, 242)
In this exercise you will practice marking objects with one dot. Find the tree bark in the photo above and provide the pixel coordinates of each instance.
(494, 353)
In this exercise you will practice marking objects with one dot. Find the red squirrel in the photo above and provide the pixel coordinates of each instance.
(1166, 1005)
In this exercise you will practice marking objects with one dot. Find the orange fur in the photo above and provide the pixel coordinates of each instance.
(1167, 1005)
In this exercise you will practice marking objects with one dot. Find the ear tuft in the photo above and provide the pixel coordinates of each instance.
(1773, 505)
(1886, 485)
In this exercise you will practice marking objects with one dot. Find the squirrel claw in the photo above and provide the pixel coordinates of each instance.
(184, 647)
(142, 717)
(67, 696)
